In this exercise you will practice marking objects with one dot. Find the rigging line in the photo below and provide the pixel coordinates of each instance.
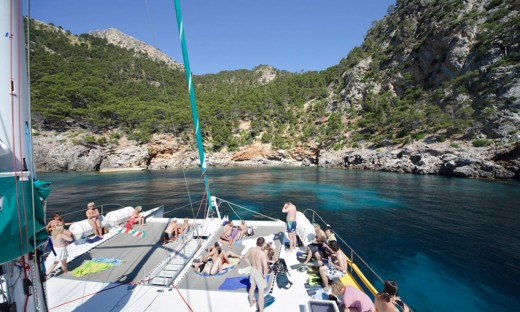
(165, 93)
(242, 207)
(189, 197)
(87, 295)
(182, 297)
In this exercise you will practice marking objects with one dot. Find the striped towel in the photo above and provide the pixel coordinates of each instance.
(135, 233)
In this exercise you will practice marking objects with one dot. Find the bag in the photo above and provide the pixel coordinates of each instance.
(279, 268)
(250, 231)
(283, 281)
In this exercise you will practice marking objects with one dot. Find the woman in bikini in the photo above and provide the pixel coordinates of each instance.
(60, 241)
(57, 220)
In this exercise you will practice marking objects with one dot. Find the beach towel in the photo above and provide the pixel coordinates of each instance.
(94, 239)
(95, 265)
(135, 233)
(233, 283)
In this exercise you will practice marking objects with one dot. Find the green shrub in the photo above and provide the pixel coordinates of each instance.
(454, 145)
(481, 142)
(89, 139)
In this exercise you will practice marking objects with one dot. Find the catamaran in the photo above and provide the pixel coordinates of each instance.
(130, 268)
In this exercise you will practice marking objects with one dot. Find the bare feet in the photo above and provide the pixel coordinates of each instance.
(253, 302)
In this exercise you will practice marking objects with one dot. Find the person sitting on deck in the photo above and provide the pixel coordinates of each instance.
(242, 230)
(386, 300)
(172, 231)
(316, 247)
(137, 216)
(227, 234)
(351, 298)
(94, 219)
(336, 267)
(183, 229)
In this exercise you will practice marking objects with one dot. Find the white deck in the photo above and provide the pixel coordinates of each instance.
(69, 294)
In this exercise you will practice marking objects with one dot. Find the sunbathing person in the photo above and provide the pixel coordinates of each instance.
(94, 219)
(200, 266)
(227, 234)
(184, 228)
(242, 230)
(172, 231)
(224, 254)
(137, 216)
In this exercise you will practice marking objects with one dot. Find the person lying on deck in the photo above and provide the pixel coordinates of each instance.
(137, 216)
(224, 254)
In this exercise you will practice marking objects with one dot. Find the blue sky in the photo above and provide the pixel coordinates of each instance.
(291, 35)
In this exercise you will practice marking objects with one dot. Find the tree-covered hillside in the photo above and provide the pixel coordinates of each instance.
(434, 69)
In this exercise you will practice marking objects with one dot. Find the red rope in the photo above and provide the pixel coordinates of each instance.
(182, 297)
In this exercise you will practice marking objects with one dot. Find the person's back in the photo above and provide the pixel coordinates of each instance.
(385, 300)
(258, 260)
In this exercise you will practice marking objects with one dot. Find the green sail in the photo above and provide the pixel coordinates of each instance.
(21, 230)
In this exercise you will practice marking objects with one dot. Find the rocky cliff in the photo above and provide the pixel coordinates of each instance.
(58, 152)
(120, 39)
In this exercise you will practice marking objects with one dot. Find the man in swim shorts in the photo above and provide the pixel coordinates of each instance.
(258, 260)
(290, 210)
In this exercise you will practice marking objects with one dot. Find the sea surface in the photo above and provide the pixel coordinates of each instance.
(451, 244)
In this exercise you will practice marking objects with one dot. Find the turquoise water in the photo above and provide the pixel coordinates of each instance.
(451, 244)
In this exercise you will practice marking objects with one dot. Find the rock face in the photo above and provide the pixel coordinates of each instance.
(58, 152)
(117, 38)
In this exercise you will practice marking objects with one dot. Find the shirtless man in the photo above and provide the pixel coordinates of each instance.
(386, 300)
(171, 232)
(290, 209)
(93, 219)
(227, 234)
(316, 247)
(258, 260)
(336, 267)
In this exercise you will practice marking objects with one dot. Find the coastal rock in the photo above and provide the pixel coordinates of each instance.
(69, 152)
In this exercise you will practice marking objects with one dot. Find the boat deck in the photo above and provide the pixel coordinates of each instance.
(132, 286)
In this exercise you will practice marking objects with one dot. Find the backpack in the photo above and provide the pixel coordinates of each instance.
(279, 268)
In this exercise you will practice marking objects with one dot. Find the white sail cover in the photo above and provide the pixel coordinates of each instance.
(15, 118)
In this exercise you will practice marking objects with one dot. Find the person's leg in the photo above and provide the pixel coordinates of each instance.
(309, 255)
(252, 292)
(53, 266)
(64, 266)
(324, 277)
(292, 237)
(260, 299)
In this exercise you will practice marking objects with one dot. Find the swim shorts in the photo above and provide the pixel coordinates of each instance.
(291, 226)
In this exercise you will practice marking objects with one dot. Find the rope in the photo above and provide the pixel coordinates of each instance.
(182, 297)
(242, 207)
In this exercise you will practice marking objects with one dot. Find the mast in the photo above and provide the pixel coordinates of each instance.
(193, 102)
(22, 218)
